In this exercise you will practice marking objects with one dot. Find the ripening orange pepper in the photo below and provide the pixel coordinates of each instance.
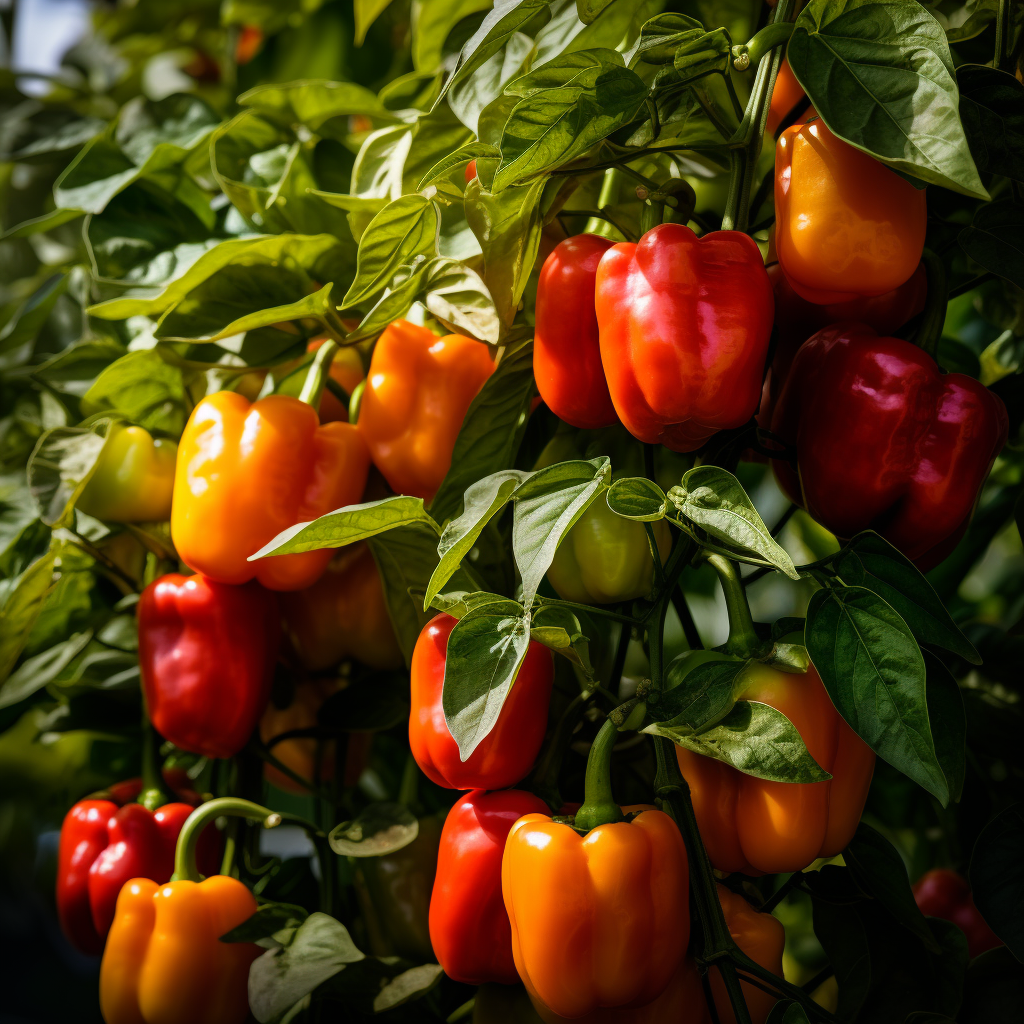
(342, 615)
(761, 827)
(846, 225)
(417, 393)
(246, 472)
(600, 920)
(785, 96)
(164, 962)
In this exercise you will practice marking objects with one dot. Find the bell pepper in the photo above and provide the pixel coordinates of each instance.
(786, 94)
(845, 225)
(601, 919)
(247, 471)
(300, 753)
(507, 753)
(342, 615)
(566, 348)
(945, 894)
(684, 323)
(133, 478)
(104, 842)
(604, 559)
(797, 319)
(469, 928)
(206, 653)
(761, 827)
(418, 391)
(399, 886)
(885, 441)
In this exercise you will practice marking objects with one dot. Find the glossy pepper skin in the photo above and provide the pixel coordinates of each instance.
(133, 478)
(846, 225)
(566, 348)
(785, 96)
(604, 558)
(246, 471)
(164, 962)
(885, 441)
(600, 920)
(945, 894)
(206, 653)
(506, 755)
(342, 615)
(760, 827)
(684, 324)
(105, 842)
(469, 928)
(417, 393)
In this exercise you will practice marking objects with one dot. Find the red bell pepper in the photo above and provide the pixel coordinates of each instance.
(885, 441)
(507, 753)
(469, 927)
(207, 652)
(104, 842)
(685, 323)
(945, 894)
(566, 350)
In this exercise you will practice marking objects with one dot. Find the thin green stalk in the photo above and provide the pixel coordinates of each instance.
(603, 613)
(154, 790)
(185, 852)
(599, 806)
(318, 371)
(933, 318)
(743, 639)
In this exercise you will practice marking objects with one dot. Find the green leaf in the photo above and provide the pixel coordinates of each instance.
(409, 985)
(320, 948)
(143, 389)
(558, 628)
(35, 673)
(315, 103)
(483, 659)
(880, 74)
(379, 829)
(786, 1011)
(661, 36)
(638, 498)
(431, 26)
(568, 105)
(460, 603)
(547, 505)
(30, 316)
(879, 870)
(992, 112)
(715, 500)
(588, 10)
(1001, 358)
(348, 525)
(696, 698)
(480, 91)
(997, 876)
(949, 723)
(491, 430)
(872, 562)
(993, 239)
(406, 228)
(457, 296)
(276, 922)
(454, 161)
(366, 13)
(754, 738)
(45, 222)
(23, 600)
(60, 466)
(705, 54)
(873, 670)
(483, 500)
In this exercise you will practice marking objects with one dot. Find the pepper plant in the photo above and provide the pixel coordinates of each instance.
(657, 369)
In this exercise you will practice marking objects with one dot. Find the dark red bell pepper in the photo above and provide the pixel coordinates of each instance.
(684, 323)
(566, 350)
(507, 753)
(207, 652)
(945, 894)
(104, 842)
(885, 441)
(469, 927)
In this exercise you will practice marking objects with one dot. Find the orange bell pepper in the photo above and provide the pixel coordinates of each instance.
(164, 963)
(417, 393)
(846, 225)
(343, 615)
(246, 471)
(761, 827)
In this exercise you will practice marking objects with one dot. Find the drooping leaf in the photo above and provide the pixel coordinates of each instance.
(993, 239)
(992, 112)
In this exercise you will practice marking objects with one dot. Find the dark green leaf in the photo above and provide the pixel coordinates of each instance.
(997, 876)
(638, 498)
(379, 829)
(409, 985)
(431, 27)
(698, 697)
(35, 673)
(754, 738)
(269, 920)
(992, 112)
(787, 1012)
(483, 659)
(23, 599)
(706, 54)
(661, 36)
(880, 74)
(872, 562)
(143, 389)
(60, 467)
(30, 316)
(873, 670)
(993, 240)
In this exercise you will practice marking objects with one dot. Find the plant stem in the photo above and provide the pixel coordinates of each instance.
(599, 806)
(929, 330)
(313, 388)
(185, 852)
(1002, 34)
(743, 639)
(776, 33)
(154, 790)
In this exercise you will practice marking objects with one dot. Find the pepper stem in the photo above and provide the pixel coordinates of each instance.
(185, 853)
(767, 39)
(934, 316)
(599, 806)
(313, 388)
(154, 790)
(743, 639)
